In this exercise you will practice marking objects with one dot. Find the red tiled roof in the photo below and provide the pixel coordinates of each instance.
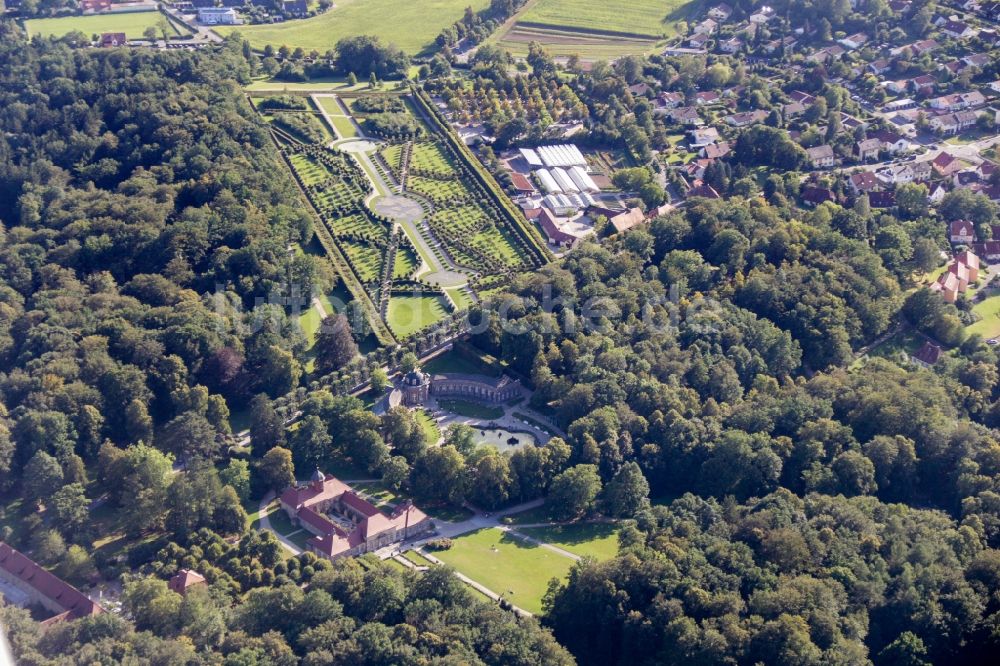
(521, 183)
(929, 353)
(50, 586)
(184, 579)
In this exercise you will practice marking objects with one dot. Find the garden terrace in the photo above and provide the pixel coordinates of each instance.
(439, 192)
(428, 159)
(392, 155)
(486, 187)
(303, 126)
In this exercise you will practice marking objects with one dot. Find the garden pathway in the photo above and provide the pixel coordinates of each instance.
(265, 524)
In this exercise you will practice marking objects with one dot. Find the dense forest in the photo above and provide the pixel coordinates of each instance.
(822, 516)
(807, 508)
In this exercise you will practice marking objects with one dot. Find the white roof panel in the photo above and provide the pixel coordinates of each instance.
(565, 182)
(548, 183)
(531, 157)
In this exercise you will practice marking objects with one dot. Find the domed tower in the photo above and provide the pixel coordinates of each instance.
(318, 479)
(416, 387)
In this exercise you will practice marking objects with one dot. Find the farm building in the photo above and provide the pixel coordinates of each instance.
(582, 179)
(218, 16)
(565, 183)
(564, 155)
(547, 182)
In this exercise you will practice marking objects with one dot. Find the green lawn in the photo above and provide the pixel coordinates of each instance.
(642, 17)
(989, 324)
(598, 540)
(412, 26)
(382, 496)
(281, 524)
(537, 515)
(409, 314)
(133, 24)
(417, 558)
(265, 84)
(428, 425)
(342, 123)
(507, 565)
(471, 409)
(454, 362)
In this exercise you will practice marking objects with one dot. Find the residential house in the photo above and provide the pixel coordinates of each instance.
(995, 86)
(953, 123)
(714, 151)
(958, 30)
(884, 199)
(977, 60)
(879, 66)
(627, 220)
(897, 87)
(950, 285)
(184, 580)
(295, 7)
(706, 27)
(895, 174)
(935, 192)
(787, 43)
(867, 149)
(112, 39)
(703, 136)
(923, 84)
(698, 40)
(827, 54)
(746, 118)
(953, 68)
(988, 250)
(961, 232)
(927, 355)
(218, 16)
(684, 115)
(863, 181)
(821, 156)
(793, 109)
(704, 191)
(890, 141)
(855, 41)
(958, 101)
(762, 15)
(720, 12)
(707, 97)
(671, 100)
(731, 45)
(813, 196)
(945, 164)
(921, 170)
(971, 263)
(639, 89)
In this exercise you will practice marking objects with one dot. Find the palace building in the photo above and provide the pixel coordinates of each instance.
(343, 523)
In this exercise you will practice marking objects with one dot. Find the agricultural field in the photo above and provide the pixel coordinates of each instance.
(512, 567)
(133, 24)
(595, 29)
(412, 26)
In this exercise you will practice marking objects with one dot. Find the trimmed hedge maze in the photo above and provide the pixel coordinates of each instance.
(337, 187)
